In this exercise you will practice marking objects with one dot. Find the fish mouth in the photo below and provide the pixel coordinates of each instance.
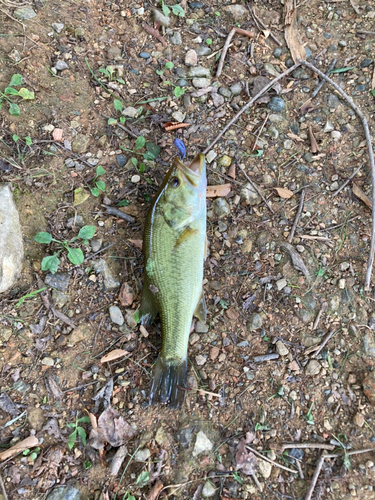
(193, 172)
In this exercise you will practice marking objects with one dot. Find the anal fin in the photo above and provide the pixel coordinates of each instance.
(201, 309)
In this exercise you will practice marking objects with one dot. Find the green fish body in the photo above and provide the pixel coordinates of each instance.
(174, 247)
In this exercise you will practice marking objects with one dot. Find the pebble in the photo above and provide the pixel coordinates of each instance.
(288, 144)
(334, 186)
(96, 244)
(220, 207)
(116, 315)
(214, 353)
(276, 104)
(274, 133)
(48, 361)
(225, 92)
(277, 52)
(328, 127)
(82, 332)
(191, 58)
(64, 493)
(217, 99)
(121, 160)
(342, 43)
(255, 322)
(195, 5)
(59, 299)
(160, 18)
(368, 342)
(130, 112)
(270, 68)
(359, 419)
(176, 39)
(332, 101)
(79, 32)
(264, 468)
(369, 388)
(249, 194)
(75, 222)
(236, 11)
(224, 161)
(182, 82)
(236, 89)
(80, 143)
(200, 360)
(247, 246)
(201, 327)
(178, 116)
(60, 281)
(281, 348)
(300, 248)
(336, 135)
(313, 367)
(61, 65)
(142, 455)
(211, 155)
(58, 27)
(24, 13)
(366, 62)
(136, 178)
(201, 83)
(342, 284)
(199, 72)
(145, 55)
(208, 490)
(203, 50)
(280, 284)
(110, 282)
(202, 444)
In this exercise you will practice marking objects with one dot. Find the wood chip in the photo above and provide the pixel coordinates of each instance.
(284, 193)
(232, 171)
(220, 190)
(29, 442)
(291, 32)
(357, 191)
(111, 356)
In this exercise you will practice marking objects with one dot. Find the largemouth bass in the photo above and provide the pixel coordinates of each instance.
(174, 247)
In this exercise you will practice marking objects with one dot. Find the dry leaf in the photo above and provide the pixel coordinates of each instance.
(111, 356)
(296, 259)
(313, 143)
(155, 490)
(291, 32)
(29, 442)
(295, 137)
(232, 171)
(144, 332)
(137, 243)
(266, 33)
(284, 193)
(357, 191)
(219, 190)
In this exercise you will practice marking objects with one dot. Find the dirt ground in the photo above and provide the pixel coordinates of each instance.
(261, 300)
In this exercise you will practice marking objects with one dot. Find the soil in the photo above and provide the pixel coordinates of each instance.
(259, 302)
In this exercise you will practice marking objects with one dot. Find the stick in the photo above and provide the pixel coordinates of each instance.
(370, 262)
(321, 83)
(263, 457)
(123, 128)
(300, 208)
(256, 189)
(153, 32)
(348, 180)
(118, 213)
(321, 446)
(321, 311)
(250, 34)
(324, 343)
(265, 28)
(2, 487)
(255, 479)
(258, 134)
(354, 452)
(249, 104)
(314, 478)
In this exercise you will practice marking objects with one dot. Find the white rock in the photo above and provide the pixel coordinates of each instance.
(264, 468)
(136, 178)
(142, 455)
(191, 58)
(328, 127)
(200, 360)
(209, 490)
(210, 156)
(336, 135)
(281, 348)
(202, 444)
(116, 315)
(281, 284)
(130, 112)
(178, 116)
(342, 284)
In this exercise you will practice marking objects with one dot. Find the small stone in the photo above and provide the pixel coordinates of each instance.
(195, 5)
(142, 455)
(61, 65)
(270, 68)
(199, 72)
(96, 244)
(217, 99)
(300, 248)
(342, 284)
(116, 315)
(203, 50)
(255, 322)
(280, 284)
(64, 493)
(121, 160)
(224, 161)
(249, 194)
(332, 101)
(288, 144)
(342, 43)
(327, 424)
(129, 318)
(59, 299)
(75, 222)
(236, 11)
(58, 27)
(220, 207)
(201, 83)
(332, 48)
(126, 296)
(281, 348)
(328, 127)
(178, 116)
(202, 444)
(366, 62)
(369, 388)
(336, 135)
(236, 89)
(24, 13)
(276, 104)
(359, 419)
(80, 143)
(130, 112)
(163, 438)
(201, 327)
(277, 52)
(60, 281)
(47, 361)
(36, 418)
(265, 468)
(214, 353)
(313, 367)
(82, 332)
(79, 32)
(368, 341)
(145, 55)
(225, 92)
(208, 490)
(274, 133)
(110, 283)
(210, 156)
(334, 186)
(136, 178)
(247, 246)
(200, 360)
(160, 18)
(191, 58)
(176, 39)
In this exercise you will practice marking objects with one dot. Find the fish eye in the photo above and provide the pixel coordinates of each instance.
(175, 182)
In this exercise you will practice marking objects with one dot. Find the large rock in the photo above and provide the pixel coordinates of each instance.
(11, 245)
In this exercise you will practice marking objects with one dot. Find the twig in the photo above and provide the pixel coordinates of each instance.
(118, 213)
(240, 31)
(123, 128)
(153, 32)
(263, 457)
(265, 28)
(303, 446)
(314, 478)
(256, 189)
(361, 32)
(355, 7)
(354, 452)
(249, 104)
(348, 180)
(98, 252)
(97, 332)
(255, 479)
(13, 18)
(321, 83)
(370, 262)
(298, 465)
(258, 134)
(321, 311)
(300, 208)
(330, 228)
(2, 487)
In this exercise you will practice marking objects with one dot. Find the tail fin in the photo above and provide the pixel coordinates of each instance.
(169, 383)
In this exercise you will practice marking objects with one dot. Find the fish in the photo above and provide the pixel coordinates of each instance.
(174, 249)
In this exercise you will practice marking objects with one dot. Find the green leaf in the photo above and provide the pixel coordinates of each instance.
(142, 479)
(100, 185)
(165, 9)
(178, 91)
(33, 455)
(104, 71)
(372, 92)
(26, 94)
(122, 119)
(15, 80)
(28, 140)
(237, 477)
(84, 420)
(209, 41)
(153, 148)
(169, 65)
(136, 317)
(11, 91)
(123, 203)
(112, 121)
(148, 156)
(159, 72)
(341, 70)
(95, 192)
(134, 162)
(142, 168)
(87, 464)
(120, 80)
(72, 425)
(86, 232)
(15, 137)
(140, 142)
(82, 435)
(178, 10)
(14, 109)
(43, 237)
(72, 439)
(50, 263)
(217, 14)
(75, 255)
(26, 452)
(100, 170)
(117, 105)
(224, 304)
(29, 295)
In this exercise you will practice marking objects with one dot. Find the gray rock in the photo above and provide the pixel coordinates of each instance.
(270, 68)
(75, 222)
(110, 283)
(249, 194)
(201, 83)
(277, 52)
(160, 18)
(142, 455)
(81, 333)
(116, 315)
(201, 327)
(217, 99)
(369, 345)
(276, 104)
(313, 367)
(21, 386)
(366, 62)
(176, 38)
(96, 244)
(280, 284)
(145, 55)
(24, 13)
(121, 160)
(203, 50)
(199, 72)
(191, 58)
(264, 468)
(129, 318)
(328, 127)
(59, 299)
(236, 11)
(47, 361)
(209, 490)
(332, 101)
(64, 493)
(61, 65)
(130, 112)
(274, 133)
(225, 92)
(60, 281)
(79, 32)
(220, 207)
(305, 315)
(202, 444)
(58, 27)
(255, 322)
(281, 348)
(80, 143)
(336, 135)
(258, 84)
(184, 437)
(11, 244)
(236, 89)
(178, 116)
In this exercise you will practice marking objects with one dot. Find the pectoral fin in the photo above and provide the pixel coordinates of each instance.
(201, 309)
(184, 236)
(148, 310)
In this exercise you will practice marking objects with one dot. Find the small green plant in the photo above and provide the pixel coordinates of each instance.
(176, 9)
(117, 104)
(29, 295)
(21, 151)
(128, 496)
(279, 393)
(143, 479)
(168, 65)
(109, 72)
(209, 41)
(261, 427)
(224, 304)
(15, 81)
(237, 477)
(32, 455)
(309, 415)
(78, 431)
(152, 152)
(75, 255)
(99, 184)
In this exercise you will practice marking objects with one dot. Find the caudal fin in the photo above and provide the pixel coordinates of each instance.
(169, 383)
